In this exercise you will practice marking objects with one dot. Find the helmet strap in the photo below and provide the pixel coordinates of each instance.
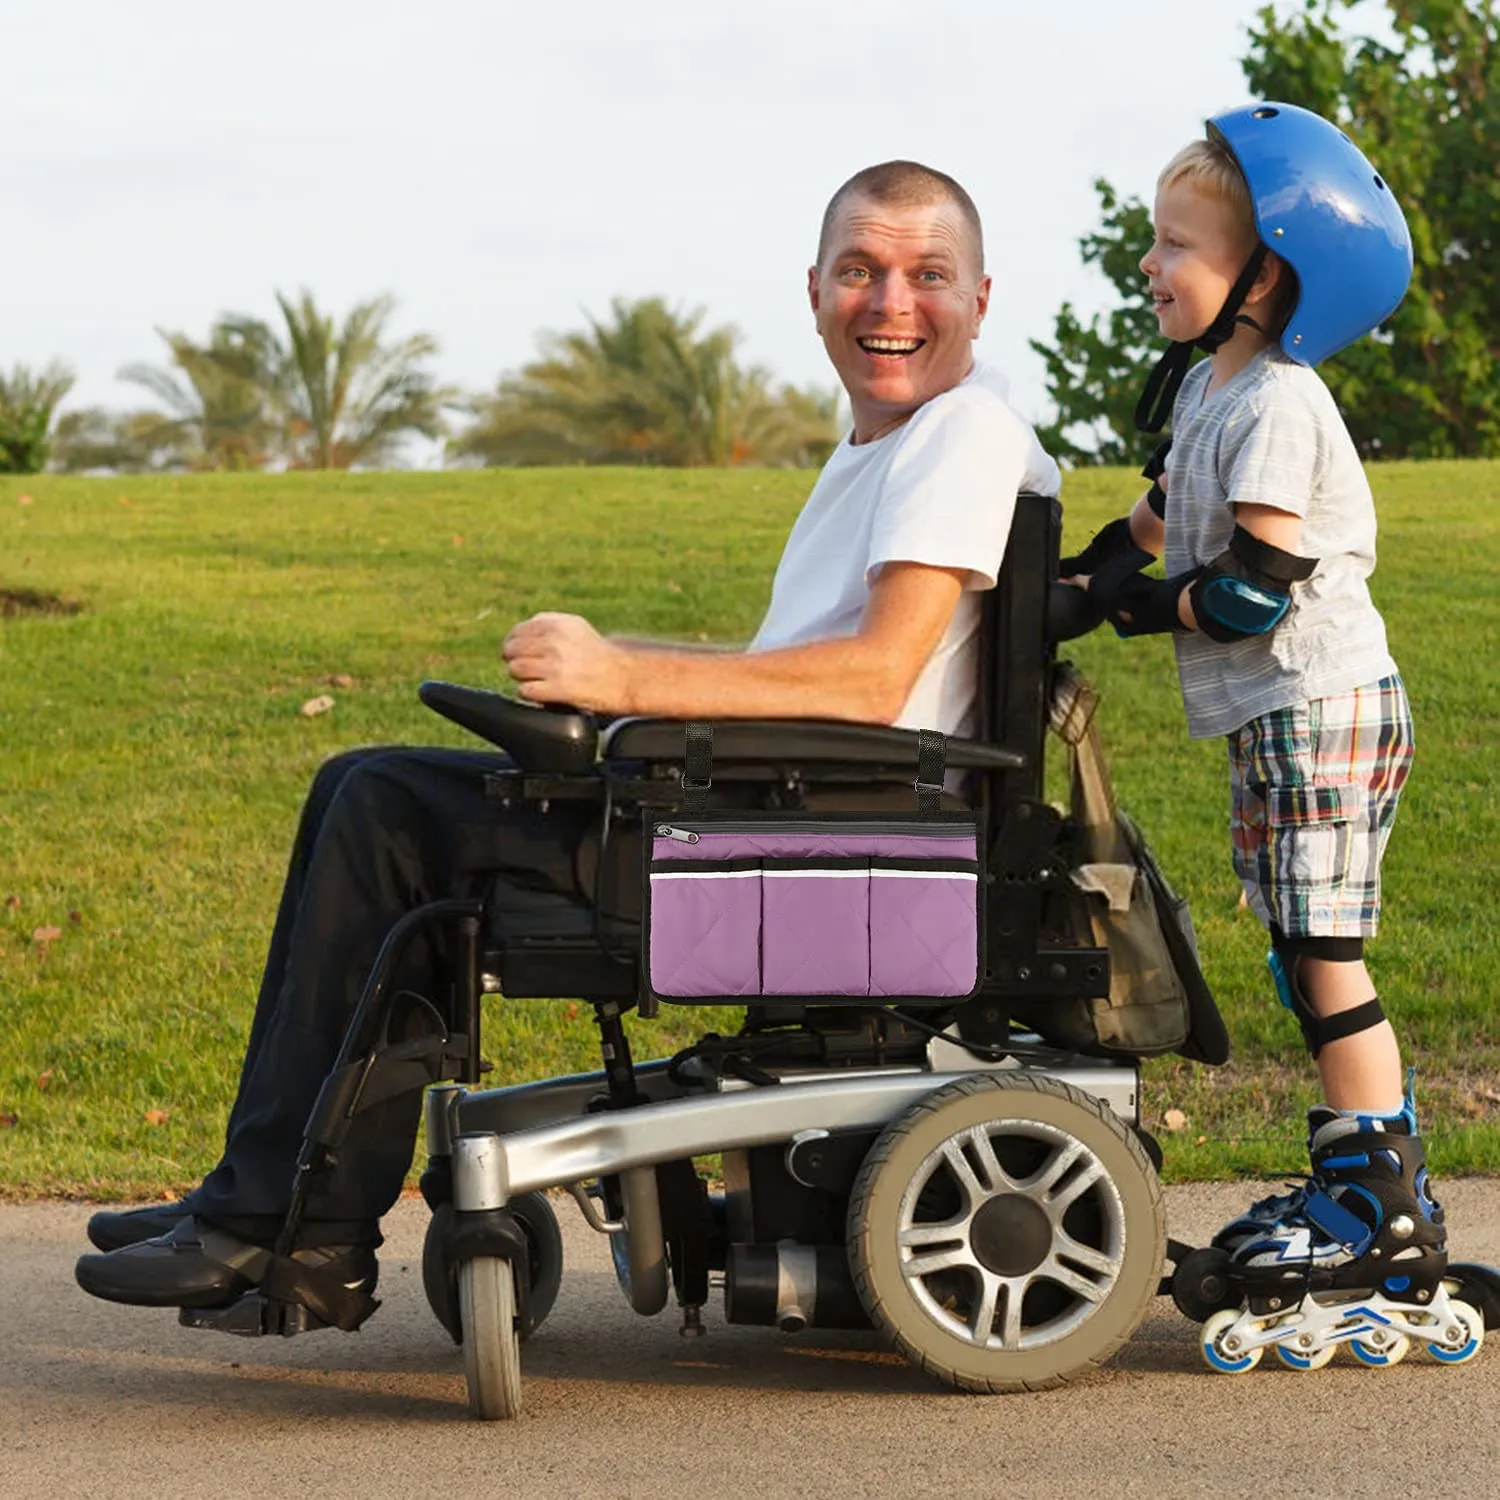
(1164, 381)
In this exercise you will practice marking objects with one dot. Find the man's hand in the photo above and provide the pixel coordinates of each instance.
(558, 658)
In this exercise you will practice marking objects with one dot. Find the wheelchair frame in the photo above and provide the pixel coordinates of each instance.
(816, 1112)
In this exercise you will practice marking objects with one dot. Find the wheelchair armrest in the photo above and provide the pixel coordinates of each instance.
(561, 740)
(566, 741)
(751, 740)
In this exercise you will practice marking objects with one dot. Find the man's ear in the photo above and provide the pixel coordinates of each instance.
(812, 288)
(982, 304)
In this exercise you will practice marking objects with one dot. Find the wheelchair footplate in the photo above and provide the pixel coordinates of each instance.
(254, 1315)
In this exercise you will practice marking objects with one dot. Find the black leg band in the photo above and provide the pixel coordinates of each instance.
(1344, 1023)
(1318, 1031)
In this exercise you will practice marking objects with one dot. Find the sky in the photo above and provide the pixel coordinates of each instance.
(504, 168)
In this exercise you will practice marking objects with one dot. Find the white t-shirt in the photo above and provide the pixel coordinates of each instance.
(1273, 436)
(941, 490)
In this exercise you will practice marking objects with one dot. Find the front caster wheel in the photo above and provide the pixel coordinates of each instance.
(544, 1261)
(492, 1350)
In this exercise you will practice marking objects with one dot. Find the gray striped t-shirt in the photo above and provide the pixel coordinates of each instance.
(1273, 436)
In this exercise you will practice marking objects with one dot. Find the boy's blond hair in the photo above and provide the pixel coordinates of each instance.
(1210, 167)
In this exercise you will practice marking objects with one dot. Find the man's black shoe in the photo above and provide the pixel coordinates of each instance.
(110, 1229)
(174, 1270)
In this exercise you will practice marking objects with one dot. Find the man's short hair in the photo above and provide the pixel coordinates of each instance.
(903, 184)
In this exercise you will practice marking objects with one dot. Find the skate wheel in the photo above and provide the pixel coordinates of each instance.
(1391, 1350)
(1477, 1285)
(1294, 1360)
(1459, 1350)
(1229, 1361)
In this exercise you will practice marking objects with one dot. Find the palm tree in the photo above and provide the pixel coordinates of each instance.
(335, 396)
(214, 418)
(28, 404)
(647, 387)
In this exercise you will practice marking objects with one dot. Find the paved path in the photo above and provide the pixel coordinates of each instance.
(105, 1401)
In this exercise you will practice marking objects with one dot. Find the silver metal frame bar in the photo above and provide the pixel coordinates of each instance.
(490, 1168)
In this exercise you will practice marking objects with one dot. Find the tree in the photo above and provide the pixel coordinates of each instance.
(333, 396)
(1426, 111)
(648, 387)
(1094, 373)
(215, 418)
(28, 406)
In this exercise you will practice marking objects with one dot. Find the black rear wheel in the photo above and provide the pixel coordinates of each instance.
(1202, 1285)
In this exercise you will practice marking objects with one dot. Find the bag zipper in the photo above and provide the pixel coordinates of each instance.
(687, 835)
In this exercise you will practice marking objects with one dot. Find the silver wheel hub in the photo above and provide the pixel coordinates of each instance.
(1011, 1234)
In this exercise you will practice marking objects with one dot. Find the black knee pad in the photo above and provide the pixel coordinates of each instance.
(1318, 1031)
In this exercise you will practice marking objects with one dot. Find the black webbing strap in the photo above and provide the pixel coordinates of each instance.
(1163, 383)
(698, 769)
(932, 756)
(1156, 466)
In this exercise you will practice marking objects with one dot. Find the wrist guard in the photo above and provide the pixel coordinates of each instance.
(1135, 604)
(1247, 588)
(1110, 542)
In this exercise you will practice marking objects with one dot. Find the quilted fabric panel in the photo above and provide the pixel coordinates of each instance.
(815, 938)
(705, 934)
(924, 933)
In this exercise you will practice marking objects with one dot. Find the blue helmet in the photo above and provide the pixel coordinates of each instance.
(1328, 214)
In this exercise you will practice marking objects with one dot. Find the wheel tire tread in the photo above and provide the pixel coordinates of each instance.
(493, 1377)
(885, 1147)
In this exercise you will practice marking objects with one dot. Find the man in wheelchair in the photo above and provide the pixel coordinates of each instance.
(874, 619)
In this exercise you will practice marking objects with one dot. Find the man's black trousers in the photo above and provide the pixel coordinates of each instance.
(382, 831)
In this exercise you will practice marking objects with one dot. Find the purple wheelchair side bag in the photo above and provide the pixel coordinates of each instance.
(849, 907)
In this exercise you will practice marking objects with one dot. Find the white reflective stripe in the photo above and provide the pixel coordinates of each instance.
(814, 874)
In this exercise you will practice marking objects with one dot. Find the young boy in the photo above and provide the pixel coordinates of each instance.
(1276, 243)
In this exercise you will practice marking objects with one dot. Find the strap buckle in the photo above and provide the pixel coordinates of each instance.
(927, 786)
(689, 785)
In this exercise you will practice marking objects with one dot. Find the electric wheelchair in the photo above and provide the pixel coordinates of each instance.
(972, 1180)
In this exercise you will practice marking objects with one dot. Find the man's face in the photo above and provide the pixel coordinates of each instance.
(898, 300)
(1198, 253)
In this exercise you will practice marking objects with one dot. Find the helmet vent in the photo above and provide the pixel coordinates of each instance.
(1379, 183)
(1265, 112)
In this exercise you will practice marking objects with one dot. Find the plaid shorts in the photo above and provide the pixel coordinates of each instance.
(1312, 796)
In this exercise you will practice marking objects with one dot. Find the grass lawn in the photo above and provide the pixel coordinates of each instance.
(152, 761)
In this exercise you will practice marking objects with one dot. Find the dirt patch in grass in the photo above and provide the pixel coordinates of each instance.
(17, 602)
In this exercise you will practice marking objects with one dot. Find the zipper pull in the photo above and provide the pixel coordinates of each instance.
(666, 831)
